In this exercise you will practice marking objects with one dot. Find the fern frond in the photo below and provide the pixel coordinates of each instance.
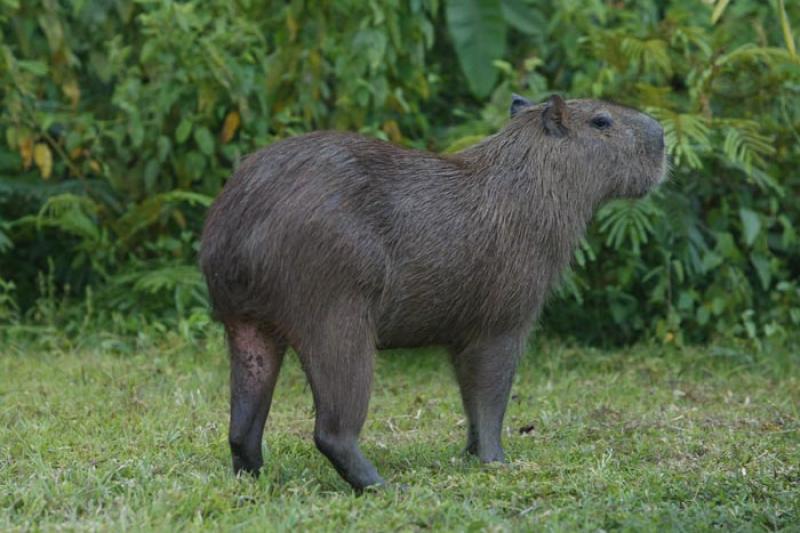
(744, 144)
(165, 278)
(584, 253)
(627, 221)
(67, 212)
(572, 286)
(143, 215)
(686, 135)
(690, 36)
(751, 53)
(652, 54)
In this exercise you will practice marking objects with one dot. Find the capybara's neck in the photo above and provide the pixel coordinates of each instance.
(533, 193)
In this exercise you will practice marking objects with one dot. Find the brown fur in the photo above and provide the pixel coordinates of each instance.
(337, 244)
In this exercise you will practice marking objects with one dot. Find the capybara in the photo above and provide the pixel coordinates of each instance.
(338, 244)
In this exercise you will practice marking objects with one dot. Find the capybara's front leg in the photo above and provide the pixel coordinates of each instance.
(255, 362)
(485, 370)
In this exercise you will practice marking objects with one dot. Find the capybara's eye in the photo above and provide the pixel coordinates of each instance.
(602, 122)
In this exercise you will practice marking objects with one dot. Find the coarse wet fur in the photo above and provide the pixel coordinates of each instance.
(337, 244)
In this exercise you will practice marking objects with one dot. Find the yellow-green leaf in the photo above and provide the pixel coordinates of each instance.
(72, 91)
(43, 159)
(719, 9)
(787, 28)
(230, 126)
(26, 151)
(391, 129)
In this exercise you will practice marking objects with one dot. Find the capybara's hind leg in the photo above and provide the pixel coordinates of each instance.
(339, 368)
(255, 362)
(485, 371)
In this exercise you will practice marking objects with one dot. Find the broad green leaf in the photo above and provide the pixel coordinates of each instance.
(703, 315)
(761, 264)
(751, 225)
(204, 140)
(151, 170)
(711, 260)
(136, 130)
(478, 31)
(183, 131)
(164, 147)
(523, 17)
(34, 67)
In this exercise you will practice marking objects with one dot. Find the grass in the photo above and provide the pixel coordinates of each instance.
(642, 439)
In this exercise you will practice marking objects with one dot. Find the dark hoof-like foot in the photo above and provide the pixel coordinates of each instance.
(380, 486)
(496, 455)
(493, 459)
(244, 467)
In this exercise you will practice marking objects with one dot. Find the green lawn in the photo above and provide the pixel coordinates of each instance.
(647, 438)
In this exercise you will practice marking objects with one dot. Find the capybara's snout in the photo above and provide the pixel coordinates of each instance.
(653, 135)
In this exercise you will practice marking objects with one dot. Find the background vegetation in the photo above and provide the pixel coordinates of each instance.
(121, 120)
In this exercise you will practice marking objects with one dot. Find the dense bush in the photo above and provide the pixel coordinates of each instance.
(122, 119)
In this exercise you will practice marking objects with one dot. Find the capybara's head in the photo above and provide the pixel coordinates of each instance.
(611, 150)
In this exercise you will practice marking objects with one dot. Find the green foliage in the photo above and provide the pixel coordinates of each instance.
(121, 120)
(467, 19)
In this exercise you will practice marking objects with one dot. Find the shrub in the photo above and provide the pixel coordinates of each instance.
(122, 120)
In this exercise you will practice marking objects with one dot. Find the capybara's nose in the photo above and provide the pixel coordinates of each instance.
(654, 135)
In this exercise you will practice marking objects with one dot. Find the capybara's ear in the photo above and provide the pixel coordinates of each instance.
(518, 103)
(554, 116)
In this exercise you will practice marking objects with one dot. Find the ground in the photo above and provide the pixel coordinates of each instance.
(104, 436)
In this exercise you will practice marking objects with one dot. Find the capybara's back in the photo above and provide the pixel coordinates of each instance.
(296, 221)
(326, 217)
(336, 244)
